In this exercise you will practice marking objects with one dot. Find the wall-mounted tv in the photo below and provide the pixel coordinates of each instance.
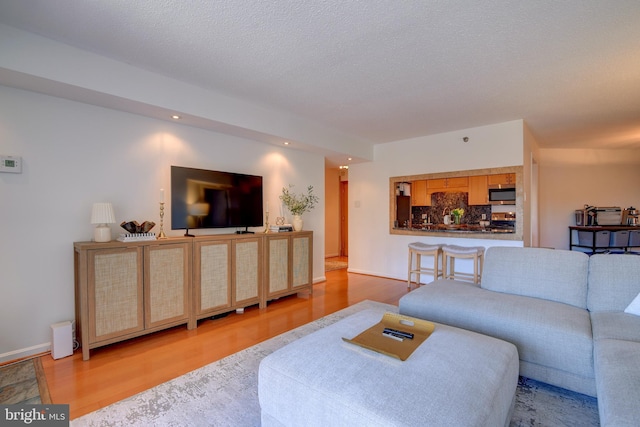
(213, 199)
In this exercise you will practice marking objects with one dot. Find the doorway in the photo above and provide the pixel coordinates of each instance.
(336, 218)
(344, 218)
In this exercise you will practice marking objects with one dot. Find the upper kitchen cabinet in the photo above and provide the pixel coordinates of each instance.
(419, 195)
(502, 179)
(460, 183)
(478, 190)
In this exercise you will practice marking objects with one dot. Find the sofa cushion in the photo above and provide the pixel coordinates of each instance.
(617, 370)
(615, 325)
(545, 332)
(555, 275)
(614, 281)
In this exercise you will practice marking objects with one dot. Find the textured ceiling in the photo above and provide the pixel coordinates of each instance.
(383, 70)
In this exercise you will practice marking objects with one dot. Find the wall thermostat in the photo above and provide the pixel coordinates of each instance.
(11, 164)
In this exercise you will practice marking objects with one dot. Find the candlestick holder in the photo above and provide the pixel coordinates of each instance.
(266, 222)
(162, 235)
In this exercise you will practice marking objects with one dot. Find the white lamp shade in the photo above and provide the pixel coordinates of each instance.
(102, 213)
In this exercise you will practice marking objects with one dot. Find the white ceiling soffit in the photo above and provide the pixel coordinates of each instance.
(382, 71)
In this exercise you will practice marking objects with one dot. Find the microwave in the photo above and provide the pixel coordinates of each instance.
(502, 194)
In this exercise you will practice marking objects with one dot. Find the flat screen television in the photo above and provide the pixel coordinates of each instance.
(213, 199)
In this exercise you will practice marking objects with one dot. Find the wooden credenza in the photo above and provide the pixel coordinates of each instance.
(128, 289)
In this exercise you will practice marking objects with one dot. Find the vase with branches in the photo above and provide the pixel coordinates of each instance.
(298, 204)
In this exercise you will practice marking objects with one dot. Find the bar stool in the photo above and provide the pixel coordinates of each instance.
(449, 255)
(420, 250)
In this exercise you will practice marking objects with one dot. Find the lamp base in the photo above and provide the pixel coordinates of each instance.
(102, 233)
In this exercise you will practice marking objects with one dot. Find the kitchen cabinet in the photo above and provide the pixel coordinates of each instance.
(478, 190)
(288, 264)
(436, 183)
(448, 184)
(419, 195)
(502, 178)
(124, 290)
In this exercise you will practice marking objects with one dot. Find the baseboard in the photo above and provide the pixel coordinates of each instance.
(24, 353)
(319, 279)
(331, 255)
(375, 273)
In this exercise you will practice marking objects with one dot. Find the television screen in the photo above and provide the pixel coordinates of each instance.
(213, 199)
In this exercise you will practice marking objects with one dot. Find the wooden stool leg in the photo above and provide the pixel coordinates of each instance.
(409, 271)
(418, 267)
(444, 265)
(475, 268)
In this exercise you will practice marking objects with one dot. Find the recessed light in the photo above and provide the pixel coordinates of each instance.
(286, 143)
(176, 117)
(350, 159)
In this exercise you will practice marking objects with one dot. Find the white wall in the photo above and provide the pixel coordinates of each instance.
(571, 178)
(332, 212)
(76, 154)
(372, 250)
(530, 178)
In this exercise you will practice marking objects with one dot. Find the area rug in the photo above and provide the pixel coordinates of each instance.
(225, 393)
(23, 383)
(330, 265)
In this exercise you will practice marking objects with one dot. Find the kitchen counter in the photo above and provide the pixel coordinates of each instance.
(472, 231)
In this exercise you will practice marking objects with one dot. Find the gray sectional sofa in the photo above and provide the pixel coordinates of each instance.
(563, 310)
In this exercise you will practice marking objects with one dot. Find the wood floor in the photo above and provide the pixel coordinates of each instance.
(121, 370)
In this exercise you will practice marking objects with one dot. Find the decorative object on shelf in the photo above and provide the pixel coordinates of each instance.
(298, 204)
(102, 215)
(280, 228)
(297, 222)
(457, 214)
(162, 235)
(133, 227)
(136, 237)
(266, 222)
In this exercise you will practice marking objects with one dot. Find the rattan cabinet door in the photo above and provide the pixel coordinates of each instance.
(167, 284)
(115, 293)
(302, 246)
(277, 265)
(212, 276)
(247, 255)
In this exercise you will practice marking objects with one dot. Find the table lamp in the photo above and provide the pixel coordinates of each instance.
(102, 215)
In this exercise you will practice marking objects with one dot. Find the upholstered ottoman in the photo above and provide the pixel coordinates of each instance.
(455, 378)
